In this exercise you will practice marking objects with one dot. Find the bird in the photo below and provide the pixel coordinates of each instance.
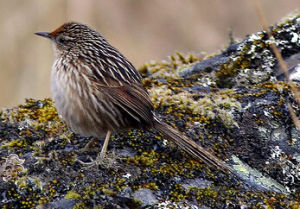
(98, 91)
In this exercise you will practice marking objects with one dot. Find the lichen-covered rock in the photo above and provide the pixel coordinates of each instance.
(235, 104)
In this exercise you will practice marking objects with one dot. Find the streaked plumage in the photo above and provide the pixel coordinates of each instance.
(98, 91)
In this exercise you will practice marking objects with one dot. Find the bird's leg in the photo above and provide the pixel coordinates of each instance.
(89, 145)
(105, 144)
(101, 155)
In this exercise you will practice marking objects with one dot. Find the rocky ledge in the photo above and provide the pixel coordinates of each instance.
(237, 104)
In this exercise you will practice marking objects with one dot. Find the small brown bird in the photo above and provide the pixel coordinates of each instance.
(98, 91)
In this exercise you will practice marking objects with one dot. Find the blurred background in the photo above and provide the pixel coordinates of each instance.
(141, 30)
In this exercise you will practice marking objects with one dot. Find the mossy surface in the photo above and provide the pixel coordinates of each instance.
(40, 157)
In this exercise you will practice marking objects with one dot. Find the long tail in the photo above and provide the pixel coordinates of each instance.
(189, 146)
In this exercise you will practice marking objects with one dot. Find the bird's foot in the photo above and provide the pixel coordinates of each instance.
(98, 161)
(106, 160)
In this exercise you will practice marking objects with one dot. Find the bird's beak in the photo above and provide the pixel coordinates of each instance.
(43, 34)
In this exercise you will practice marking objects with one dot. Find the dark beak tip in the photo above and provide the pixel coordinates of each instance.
(43, 34)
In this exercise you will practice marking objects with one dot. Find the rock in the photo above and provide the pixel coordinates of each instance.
(197, 182)
(146, 197)
(235, 104)
(208, 65)
(59, 204)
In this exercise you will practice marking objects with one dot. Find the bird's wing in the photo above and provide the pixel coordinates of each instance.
(133, 99)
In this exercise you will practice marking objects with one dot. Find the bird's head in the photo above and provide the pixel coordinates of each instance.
(72, 37)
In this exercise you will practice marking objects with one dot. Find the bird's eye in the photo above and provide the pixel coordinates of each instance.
(61, 39)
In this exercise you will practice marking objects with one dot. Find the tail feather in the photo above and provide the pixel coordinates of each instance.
(189, 146)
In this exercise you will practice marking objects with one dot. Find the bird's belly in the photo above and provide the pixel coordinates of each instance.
(75, 111)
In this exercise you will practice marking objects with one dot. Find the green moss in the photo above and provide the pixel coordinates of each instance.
(39, 114)
(43, 200)
(145, 159)
(42, 131)
(26, 196)
(151, 185)
(168, 69)
(133, 203)
(43, 112)
(178, 193)
(185, 168)
(98, 207)
(89, 192)
(209, 107)
(206, 193)
(120, 184)
(72, 195)
(225, 74)
(294, 205)
(108, 192)
(80, 205)
(19, 143)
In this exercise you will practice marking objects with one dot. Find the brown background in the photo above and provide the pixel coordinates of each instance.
(142, 30)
